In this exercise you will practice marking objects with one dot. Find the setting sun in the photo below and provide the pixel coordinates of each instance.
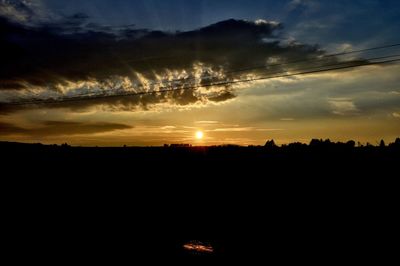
(199, 135)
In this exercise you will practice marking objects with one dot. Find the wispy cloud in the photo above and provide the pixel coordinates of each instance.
(26, 12)
(245, 129)
(206, 122)
(168, 127)
(343, 106)
(60, 128)
(303, 5)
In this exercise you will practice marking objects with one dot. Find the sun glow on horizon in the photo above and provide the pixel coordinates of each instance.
(199, 135)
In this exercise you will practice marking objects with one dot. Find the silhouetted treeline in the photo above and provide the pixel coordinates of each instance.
(182, 159)
(314, 143)
(317, 149)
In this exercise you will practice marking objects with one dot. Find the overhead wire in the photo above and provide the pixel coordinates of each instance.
(280, 74)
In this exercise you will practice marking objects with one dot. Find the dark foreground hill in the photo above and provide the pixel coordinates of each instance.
(322, 203)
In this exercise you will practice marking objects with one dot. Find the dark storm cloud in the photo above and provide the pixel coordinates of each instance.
(39, 56)
(54, 54)
(52, 128)
(17, 10)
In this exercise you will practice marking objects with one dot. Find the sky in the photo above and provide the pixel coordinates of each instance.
(78, 64)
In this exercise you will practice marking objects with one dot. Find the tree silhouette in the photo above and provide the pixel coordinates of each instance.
(397, 142)
(382, 144)
(351, 143)
(270, 144)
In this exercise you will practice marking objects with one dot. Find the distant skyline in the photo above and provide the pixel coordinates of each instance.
(57, 49)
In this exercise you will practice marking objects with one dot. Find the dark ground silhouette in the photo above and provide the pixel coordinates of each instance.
(177, 156)
(320, 203)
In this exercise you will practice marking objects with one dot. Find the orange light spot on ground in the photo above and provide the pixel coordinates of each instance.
(197, 246)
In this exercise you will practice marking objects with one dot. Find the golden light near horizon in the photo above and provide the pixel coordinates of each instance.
(199, 135)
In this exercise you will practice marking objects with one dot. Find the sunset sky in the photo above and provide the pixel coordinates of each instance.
(53, 51)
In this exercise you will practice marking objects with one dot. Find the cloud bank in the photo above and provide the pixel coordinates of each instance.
(70, 56)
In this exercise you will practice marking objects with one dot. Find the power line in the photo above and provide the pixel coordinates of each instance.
(290, 62)
(322, 57)
(255, 67)
(222, 83)
(314, 71)
(87, 95)
(305, 71)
